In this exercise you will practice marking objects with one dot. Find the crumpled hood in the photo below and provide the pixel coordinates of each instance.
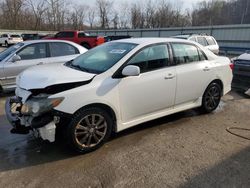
(42, 76)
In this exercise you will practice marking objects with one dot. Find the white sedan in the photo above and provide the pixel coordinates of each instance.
(116, 86)
(23, 55)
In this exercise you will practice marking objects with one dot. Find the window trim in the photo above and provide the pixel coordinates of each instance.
(186, 43)
(46, 50)
(77, 52)
(118, 72)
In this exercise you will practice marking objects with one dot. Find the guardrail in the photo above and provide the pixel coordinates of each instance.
(2, 31)
(232, 50)
(232, 36)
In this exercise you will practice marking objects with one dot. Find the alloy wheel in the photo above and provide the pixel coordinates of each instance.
(91, 130)
(212, 98)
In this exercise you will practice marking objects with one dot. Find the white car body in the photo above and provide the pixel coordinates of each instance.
(133, 99)
(208, 42)
(9, 39)
(9, 68)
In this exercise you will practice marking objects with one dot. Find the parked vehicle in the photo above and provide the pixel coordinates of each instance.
(80, 38)
(32, 36)
(9, 39)
(116, 86)
(241, 73)
(116, 37)
(19, 57)
(205, 40)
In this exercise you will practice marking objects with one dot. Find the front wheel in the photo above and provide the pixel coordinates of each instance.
(6, 44)
(89, 129)
(211, 98)
(86, 45)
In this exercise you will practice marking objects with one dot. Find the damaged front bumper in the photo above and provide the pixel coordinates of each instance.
(248, 92)
(35, 114)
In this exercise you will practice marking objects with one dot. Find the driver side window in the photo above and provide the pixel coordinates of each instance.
(34, 51)
(151, 58)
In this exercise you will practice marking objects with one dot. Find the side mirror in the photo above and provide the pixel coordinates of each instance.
(16, 58)
(131, 70)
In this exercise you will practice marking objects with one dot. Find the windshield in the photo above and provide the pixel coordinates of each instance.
(102, 58)
(10, 50)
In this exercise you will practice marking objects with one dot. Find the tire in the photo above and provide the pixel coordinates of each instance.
(13, 119)
(211, 98)
(85, 133)
(86, 45)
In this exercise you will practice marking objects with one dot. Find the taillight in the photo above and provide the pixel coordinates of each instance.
(231, 66)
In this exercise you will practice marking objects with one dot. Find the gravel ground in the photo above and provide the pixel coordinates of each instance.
(182, 150)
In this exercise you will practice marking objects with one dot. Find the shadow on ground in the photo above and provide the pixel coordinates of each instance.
(20, 151)
(233, 172)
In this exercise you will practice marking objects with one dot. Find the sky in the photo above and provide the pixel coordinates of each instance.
(186, 4)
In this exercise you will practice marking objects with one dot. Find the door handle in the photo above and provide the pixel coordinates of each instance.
(206, 69)
(169, 76)
(40, 63)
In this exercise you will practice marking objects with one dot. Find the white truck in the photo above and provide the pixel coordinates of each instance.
(9, 39)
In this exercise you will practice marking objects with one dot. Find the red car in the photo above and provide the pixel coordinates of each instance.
(79, 37)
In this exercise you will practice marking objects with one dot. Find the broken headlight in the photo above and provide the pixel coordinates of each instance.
(36, 107)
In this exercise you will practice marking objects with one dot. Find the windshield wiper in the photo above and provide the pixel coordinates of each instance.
(78, 67)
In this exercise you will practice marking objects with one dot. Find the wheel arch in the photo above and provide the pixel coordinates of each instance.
(218, 81)
(105, 107)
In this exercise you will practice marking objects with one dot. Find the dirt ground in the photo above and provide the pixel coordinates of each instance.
(182, 150)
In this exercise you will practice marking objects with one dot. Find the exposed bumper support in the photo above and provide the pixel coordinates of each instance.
(48, 132)
(248, 92)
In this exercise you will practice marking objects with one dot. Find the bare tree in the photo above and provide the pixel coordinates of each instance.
(38, 8)
(77, 16)
(104, 9)
(124, 15)
(56, 13)
(12, 10)
(91, 17)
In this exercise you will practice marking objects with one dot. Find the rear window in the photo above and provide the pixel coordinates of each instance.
(202, 41)
(15, 36)
(81, 35)
(65, 35)
(193, 39)
(210, 41)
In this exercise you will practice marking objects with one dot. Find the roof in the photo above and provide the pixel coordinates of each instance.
(47, 40)
(148, 41)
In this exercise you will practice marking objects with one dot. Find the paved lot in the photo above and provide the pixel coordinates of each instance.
(183, 150)
(2, 48)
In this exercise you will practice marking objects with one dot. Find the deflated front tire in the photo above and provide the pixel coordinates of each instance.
(11, 102)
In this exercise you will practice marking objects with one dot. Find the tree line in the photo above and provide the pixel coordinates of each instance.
(104, 14)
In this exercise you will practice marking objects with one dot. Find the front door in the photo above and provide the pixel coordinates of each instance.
(34, 54)
(153, 90)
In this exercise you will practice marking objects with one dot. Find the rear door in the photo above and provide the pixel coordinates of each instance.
(33, 54)
(194, 72)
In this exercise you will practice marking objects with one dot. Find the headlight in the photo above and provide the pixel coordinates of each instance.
(35, 107)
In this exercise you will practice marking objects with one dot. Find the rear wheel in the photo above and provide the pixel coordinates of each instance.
(211, 98)
(6, 44)
(86, 45)
(89, 129)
